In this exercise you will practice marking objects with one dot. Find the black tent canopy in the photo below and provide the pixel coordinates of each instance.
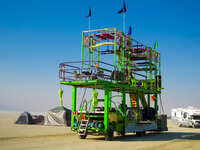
(25, 118)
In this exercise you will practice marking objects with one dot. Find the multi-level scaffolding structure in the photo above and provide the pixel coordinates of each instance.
(112, 61)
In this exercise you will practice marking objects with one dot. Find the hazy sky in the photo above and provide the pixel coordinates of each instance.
(36, 35)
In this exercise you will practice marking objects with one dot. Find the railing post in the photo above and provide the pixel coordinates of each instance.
(63, 71)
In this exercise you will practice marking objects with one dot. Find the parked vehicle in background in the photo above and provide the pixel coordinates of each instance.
(188, 117)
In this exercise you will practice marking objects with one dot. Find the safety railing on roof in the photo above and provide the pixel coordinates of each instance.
(71, 71)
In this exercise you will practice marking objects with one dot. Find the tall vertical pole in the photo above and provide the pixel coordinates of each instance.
(155, 64)
(123, 102)
(124, 21)
(106, 108)
(122, 57)
(129, 68)
(110, 100)
(146, 71)
(156, 105)
(89, 23)
(115, 48)
(123, 49)
(115, 53)
(138, 107)
(159, 64)
(148, 100)
(91, 55)
(93, 99)
(98, 53)
(150, 67)
(82, 52)
(73, 104)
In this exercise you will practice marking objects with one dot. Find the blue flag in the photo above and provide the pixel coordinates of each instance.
(123, 10)
(89, 14)
(130, 30)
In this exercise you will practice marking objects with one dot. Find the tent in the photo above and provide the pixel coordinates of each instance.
(25, 118)
(59, 116)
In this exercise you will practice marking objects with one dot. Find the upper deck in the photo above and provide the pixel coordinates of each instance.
(110, 57)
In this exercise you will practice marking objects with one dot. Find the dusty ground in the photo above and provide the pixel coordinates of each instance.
(29, 137)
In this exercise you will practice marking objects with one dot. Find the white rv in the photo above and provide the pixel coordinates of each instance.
(189, 117)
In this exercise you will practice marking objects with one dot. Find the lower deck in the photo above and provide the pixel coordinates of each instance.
(139, 117)
(117, 87)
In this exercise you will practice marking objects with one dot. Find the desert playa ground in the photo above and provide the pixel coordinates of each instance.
(29, 137)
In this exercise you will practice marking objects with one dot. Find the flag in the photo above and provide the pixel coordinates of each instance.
(89, 14)
(123, 10)
(155, 45)
(130, 30)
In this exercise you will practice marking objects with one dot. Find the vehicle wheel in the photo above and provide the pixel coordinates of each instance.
(82, 136)
(108, 136)
(122, 133)
(193, 126)
(139, 134)
(180, 125)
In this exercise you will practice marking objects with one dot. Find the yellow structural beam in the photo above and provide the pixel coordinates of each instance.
(101, 44)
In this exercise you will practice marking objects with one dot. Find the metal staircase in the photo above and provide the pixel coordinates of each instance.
(82, 130)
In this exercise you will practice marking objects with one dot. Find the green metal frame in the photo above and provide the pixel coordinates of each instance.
(152, 68)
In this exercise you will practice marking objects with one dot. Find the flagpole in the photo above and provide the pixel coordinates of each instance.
(124, 21)
(89, 15)
(89, 23)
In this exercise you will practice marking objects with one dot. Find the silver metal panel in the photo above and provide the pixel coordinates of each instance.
(134, 127)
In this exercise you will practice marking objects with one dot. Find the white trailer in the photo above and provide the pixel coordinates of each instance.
(189, 117)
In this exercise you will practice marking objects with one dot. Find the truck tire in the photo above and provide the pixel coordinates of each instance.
(122, 133)
(109, 135)
(180, 125)
(141, 133)
(82, 136)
